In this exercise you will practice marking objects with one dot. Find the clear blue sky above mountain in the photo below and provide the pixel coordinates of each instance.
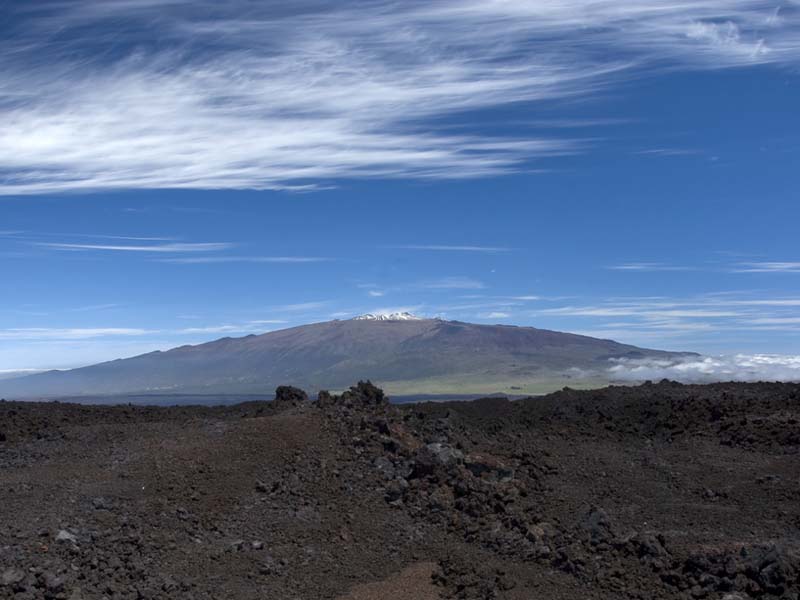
(174, 171)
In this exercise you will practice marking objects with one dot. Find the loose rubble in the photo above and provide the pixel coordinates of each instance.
(660, 491)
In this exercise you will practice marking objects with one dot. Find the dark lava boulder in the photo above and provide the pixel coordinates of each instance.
(362, 395)
(431, 457)
(488, 467)
(286, 395)
(597, 525)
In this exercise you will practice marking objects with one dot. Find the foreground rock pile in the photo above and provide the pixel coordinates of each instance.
(660, 491)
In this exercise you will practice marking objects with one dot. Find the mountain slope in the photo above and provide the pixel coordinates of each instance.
(431, 354)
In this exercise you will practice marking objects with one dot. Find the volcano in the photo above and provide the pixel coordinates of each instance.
(403, 353)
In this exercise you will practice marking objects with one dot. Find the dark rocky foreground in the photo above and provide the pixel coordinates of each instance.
(659, 491)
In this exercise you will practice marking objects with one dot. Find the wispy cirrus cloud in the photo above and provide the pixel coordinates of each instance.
(645, 310)
(776, 302)
(775, 321)
(92, 308)
(439, 248)
(291, 96)
(99, 236)
(452, 283)
(649, 267)
(301, 306)
(171, 248)
(668, 152)
(200, 252)
(768, 267)
(247, 259)
(258, 326)
(96, 333)
(48, 333)
(658, 318)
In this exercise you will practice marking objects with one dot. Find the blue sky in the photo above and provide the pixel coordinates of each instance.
(172, 172)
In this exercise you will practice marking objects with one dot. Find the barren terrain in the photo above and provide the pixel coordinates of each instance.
(659, 491)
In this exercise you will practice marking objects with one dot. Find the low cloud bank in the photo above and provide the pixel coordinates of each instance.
(708, 369)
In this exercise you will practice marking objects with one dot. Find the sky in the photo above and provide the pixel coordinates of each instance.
(172, 172)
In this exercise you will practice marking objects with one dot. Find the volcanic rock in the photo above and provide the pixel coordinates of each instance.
(596, 494)
(288, 396)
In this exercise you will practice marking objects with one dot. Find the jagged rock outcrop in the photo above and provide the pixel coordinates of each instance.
(288, 396)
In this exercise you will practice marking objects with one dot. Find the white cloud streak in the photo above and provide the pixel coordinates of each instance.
(644, 311)
(768, 267)
(668, 152)
(43, 333)
(95, 333)
(646, 319)
(480, 249)
(301, 306)
(453, 283)
(649, 267)
(250, 327)
(776, 321)
(272, 95)
(246, 259)
(153, 248)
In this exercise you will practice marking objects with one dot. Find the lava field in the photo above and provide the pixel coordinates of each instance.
(656, 491)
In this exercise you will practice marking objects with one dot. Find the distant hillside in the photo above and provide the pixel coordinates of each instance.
(408, 355)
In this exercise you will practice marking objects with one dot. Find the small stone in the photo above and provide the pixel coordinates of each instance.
(12, 576)
(257, 545)
(385, 466)
(597, 524)
(66, 536)
(53, 583)
(487, 466)
(395, 491)
(101, 503)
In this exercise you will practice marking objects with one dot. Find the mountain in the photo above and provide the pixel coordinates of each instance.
(404, 354)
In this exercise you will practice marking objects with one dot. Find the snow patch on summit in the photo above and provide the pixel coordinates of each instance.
(396, 316)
